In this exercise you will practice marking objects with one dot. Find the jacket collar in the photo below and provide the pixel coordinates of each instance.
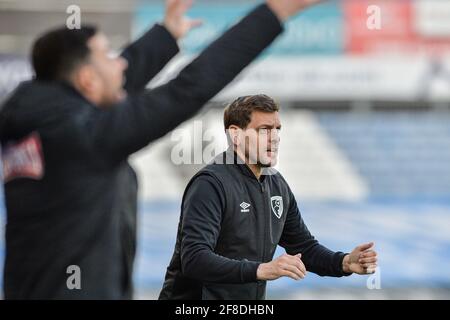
(68, 87)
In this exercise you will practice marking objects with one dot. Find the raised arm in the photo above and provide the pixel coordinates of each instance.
(147, 56)
(147, 116)
(150, 53)
(150, 115)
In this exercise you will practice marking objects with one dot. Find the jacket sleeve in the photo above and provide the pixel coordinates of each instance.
(142, 118)
(203, 206)
(296, 238)
(147, 56)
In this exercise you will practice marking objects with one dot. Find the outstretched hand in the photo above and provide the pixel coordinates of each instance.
(175, 19)
(362, 260)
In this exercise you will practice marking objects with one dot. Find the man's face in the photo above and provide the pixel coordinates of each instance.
(260, 140)
(107, 71)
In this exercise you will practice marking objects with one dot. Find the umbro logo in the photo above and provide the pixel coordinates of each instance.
(245, 207)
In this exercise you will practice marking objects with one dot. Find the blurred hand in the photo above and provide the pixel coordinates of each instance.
(283, 266)
(362, 260)
(284, 9)
(175, 19)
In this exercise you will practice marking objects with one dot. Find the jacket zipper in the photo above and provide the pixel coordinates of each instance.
(259, 285)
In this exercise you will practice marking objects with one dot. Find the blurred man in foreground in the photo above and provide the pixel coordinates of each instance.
(66, 137)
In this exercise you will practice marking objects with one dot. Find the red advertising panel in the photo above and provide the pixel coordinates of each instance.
(394, 32)
(397, 27)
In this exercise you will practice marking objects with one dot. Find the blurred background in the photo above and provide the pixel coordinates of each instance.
(365, 143)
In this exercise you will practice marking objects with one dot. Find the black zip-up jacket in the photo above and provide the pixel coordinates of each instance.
(230, 223)
(75, 201)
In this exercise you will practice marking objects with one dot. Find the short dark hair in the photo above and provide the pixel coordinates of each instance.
(239, 112)
(58, 52)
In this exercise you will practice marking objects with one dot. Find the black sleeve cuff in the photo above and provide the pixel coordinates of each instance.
(272, 14)
(340, 266)
(168, 41)
(269, 16)
(248, 271)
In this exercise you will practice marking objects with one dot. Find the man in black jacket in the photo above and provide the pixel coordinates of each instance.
(66, 136)
(235, 212)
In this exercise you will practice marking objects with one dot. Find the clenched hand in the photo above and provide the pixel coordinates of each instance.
(283, 266)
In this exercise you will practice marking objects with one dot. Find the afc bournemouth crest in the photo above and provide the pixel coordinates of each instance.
(277, 206)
